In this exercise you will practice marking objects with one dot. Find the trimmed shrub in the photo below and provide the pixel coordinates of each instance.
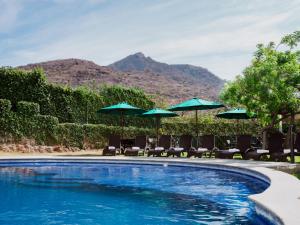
(26, 123)
(94, 135)
(46, 130)
(67, 104)
(18, 85)
(43, 129)
(70, 135)
(219, 128)
(5, 106)
(28, 108)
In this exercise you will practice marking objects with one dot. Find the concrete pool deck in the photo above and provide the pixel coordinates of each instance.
(281, 199)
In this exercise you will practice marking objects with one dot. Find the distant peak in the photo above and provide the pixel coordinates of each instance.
(139, 54)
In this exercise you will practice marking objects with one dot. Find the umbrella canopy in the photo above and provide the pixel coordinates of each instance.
(121, 108)
(158, 114)
(195, 104)
(236, 114)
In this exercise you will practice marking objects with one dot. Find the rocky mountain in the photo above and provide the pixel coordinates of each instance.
(169, 82)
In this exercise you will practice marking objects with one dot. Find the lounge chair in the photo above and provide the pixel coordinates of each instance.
(277, 153)
(114, 145)
(164, 144)
(296, 146)
(242, 145)
(207, 146)
(139, 146)
(275, 149)
(185, 144)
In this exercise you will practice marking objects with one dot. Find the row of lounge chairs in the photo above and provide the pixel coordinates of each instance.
(164, 145)
(275, 150)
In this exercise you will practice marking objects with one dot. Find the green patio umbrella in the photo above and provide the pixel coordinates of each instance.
(121, 109)
(158, 114)
(196, 104)
(236, 114)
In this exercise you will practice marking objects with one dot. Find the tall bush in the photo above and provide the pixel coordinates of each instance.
(69, 105)
(27, 123)
(218, 127)
(17, 85)
(5, 106)
(94, 135)
(28, 108)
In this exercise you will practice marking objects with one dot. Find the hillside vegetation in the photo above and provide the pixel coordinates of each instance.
(172, 83)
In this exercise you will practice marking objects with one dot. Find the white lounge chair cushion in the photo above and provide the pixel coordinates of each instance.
(202, 149)
(178, 149)
(111, 148)
(159, 148)
(233, 150)
(289, 150)
(261, 151)
(136, 148)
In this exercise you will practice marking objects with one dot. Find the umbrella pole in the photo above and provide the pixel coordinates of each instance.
(157, 129)
(196, 123)
(122, 124)
(197, 142)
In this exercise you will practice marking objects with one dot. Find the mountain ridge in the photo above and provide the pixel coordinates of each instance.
(146, 63)
(172, 82)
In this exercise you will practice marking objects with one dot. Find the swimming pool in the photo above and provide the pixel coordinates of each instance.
(94, 193)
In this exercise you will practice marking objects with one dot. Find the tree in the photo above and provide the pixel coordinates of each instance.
(269, 86)
(291, 40)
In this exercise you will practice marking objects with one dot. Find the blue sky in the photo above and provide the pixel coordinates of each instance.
(218, 35)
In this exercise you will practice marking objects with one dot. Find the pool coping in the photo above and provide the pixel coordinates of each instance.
(280, 202)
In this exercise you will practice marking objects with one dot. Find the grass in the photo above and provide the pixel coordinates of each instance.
(296, 175)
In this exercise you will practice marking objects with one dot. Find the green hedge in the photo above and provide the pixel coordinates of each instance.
(5, 106)
(44, 129)
(47, 130)
(69, 105)
(18, 125)
(28, 108)
(17, 85)
(94, 136)
(217, 127)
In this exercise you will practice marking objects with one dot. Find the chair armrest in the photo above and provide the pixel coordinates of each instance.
(193, 149)
(215, 149)
(250, 150)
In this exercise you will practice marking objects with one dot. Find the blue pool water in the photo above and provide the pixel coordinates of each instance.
(62, 193)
